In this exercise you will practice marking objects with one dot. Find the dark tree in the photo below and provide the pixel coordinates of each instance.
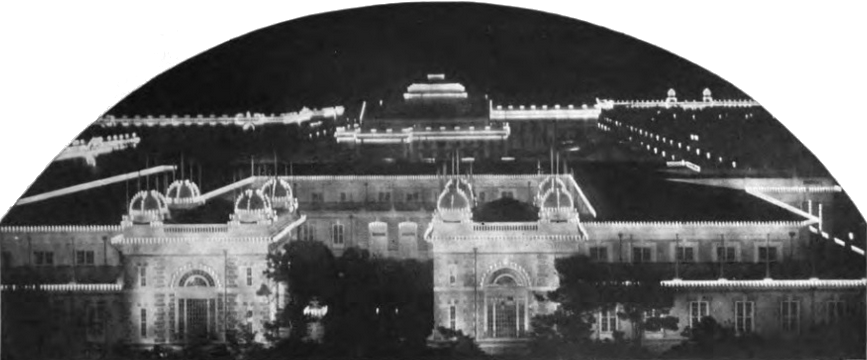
(587, 287)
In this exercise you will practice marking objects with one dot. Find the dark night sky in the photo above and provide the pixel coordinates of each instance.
(517, 56)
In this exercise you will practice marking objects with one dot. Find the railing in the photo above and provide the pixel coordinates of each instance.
(244, 120)
(60, 228)
(506, 227)
(196, 229)
(64, 287)
(598, 224)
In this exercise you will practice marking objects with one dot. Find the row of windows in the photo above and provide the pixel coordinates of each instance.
(46, 258)
(687, 254)
(744, 315)
(338, 234)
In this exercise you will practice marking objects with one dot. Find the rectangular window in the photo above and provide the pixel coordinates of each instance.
(507, 194)
(143, 323)
(482, 196)
(337, 234)
(789, 314)
(412, 197)
(641, 254)
(697, 311)
(84, 257)
(95, 313)
(343, 197)
(453, 274)
(836, 309)
(453, 313)
(249, 276)
(384, 196)
(6, 259)
(45, 258)
(317, 197)
(767, 254)
(744, 315)
(607, 321)
(599, 253)
(142, 276)
(306, 232)
(725, 254)
(685, 254)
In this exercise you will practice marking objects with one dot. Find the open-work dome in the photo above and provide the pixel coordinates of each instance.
(453, 203)
(148, 206)
(253, 206)
(280, 193)
(181, 191)
(554, 200)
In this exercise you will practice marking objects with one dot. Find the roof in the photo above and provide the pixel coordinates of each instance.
(637, 192)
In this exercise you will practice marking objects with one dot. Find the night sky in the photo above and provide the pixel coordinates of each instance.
(516, 56)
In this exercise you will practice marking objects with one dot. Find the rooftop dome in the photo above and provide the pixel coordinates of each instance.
(555, 201)
(182, 191)
(280, 193)
(453, 203)
(672, 96)
(549, 183)
(557, 198)
(148, 206)
(253, 206)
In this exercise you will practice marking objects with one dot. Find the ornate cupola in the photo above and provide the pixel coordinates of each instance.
(252, 206)
(555, 201)
(148, 206)
(672, 96)
(183, 194)
(705, 95)
(279, 192)
(454, 204)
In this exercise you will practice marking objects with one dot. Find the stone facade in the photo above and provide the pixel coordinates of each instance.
(168, 281)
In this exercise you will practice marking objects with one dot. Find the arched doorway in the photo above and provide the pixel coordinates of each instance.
(197, 307)
(505, 305)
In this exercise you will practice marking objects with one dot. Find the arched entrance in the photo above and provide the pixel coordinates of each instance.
(196, 294)
(505, 305)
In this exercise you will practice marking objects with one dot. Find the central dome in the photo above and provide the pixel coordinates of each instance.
(182, 192)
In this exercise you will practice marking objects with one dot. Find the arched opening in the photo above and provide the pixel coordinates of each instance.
(506, 298)
(197, 306)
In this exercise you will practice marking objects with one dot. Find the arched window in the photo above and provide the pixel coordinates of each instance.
(505, 277)
(196, 278)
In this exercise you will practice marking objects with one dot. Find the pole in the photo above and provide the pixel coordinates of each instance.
(767, 256)
(724, 257)
(476, 293)
(225, 296)
(676, 257)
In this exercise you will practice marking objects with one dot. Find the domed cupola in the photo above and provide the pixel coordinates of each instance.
(252, 206)
(148, 206)
(672, 96)
(555, 201)
(706, 96)
(453, 204)
(280, 193)
(183, 194)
